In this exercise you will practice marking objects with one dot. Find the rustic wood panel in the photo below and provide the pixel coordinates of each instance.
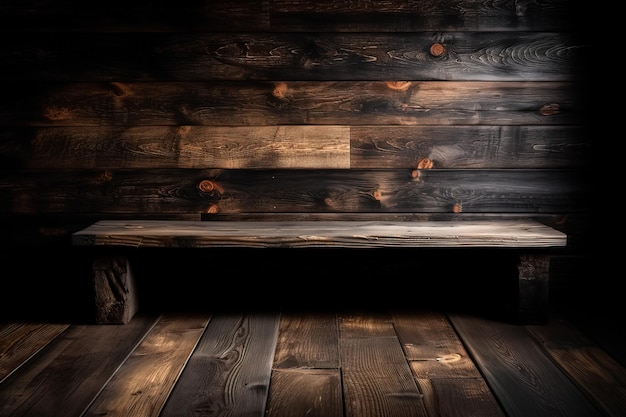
(135, 16)
(526, 381)
(143, 383)
(287, 15)
(306, 378)
(64, 379)
(599, 374)
(374, 146)
(249, 103)
(296, 392)
(176, 191)
(229, 371)
(478, 56)
(307, 342)
(343, 234)
(469, 147)
(375, 373)
(410, 15)
(178, 147)
(21, 341)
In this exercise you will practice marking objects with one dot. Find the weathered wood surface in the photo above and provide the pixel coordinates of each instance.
(143, 384)
(20, 341)
(530, 387)
(66, 376)
(304, 146)
(229, 372)
(344, 234)
(506, 370)
(128, 104)
(601, 376)
(288, 15)
(114, 285)
(186, 191)
(467, 56)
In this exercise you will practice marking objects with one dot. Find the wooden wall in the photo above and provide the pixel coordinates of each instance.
(294, 108)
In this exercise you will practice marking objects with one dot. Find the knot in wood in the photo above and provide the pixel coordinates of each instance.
(206, 186)
(437, 49)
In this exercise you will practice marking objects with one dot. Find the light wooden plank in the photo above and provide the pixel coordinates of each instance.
(377, 380)
(349, 234)
(142, 384)
(446, 375)
(305, 392)
(307, 340)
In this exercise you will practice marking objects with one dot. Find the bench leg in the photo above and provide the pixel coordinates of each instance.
(533, 273)
(115, 292)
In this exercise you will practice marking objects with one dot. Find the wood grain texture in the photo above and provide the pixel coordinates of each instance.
(290, 56)
(63, 380)
(526, 381)
(444, 371)
(391, 101)
(408, 15)
(20, 341)
(286, 147)
(303, 146)
(297, 392)
(142, 385)
(345, 234)
(287, 15)
(598, 374)
(307, 342)
(375, 373)
(229, 371)
(176, 191)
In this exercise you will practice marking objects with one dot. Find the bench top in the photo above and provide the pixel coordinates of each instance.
(339, 234)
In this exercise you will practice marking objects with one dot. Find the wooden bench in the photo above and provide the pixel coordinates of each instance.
(116, 298)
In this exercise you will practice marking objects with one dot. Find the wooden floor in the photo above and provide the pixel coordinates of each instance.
(315, 355)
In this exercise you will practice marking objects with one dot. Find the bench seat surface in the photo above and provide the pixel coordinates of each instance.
(522, 233)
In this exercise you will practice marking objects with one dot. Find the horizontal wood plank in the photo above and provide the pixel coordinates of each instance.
(477, 56)
(284, 15)
(188, 191)
(257, 103)
(516, 234)
(301, 146)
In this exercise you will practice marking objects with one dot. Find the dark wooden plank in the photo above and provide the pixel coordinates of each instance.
(136, 16)
(21, 341)
(342, 234)
(65, 377)
(303, 146)
(411, 15)
(230, 369)
(477, 56)
(469, 146)
(376, 377)
(286, 15)
(306, 378)
(597, 373)
(248, 103)
(525, 380)
(188, 191)
(445, 374)
(142, 384)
